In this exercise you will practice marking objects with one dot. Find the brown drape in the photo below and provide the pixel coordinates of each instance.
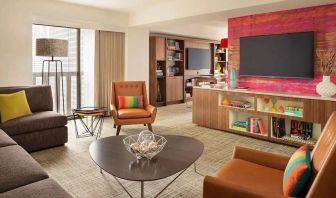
(109, 64)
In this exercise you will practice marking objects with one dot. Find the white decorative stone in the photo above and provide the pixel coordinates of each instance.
(326, 88)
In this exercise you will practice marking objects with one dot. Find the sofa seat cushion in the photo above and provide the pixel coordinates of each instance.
(253, 177)
(18, 168)
(43, 188)
(5, 140)
(35, 122)
(133, 113)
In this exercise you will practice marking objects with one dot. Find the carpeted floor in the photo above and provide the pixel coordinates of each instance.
(72, 167)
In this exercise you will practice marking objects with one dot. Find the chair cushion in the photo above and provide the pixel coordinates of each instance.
(35, 122)
(40, 189)
(18, 168)
(297, 173)
(133, 113)
(126, 102)
(253, 177)
(13, 105)
(5, 140)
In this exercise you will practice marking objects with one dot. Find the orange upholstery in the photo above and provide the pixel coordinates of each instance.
(133, 113)
(253, 173)
(131, 116)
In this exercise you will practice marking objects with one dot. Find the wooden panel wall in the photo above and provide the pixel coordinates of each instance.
(320, 19)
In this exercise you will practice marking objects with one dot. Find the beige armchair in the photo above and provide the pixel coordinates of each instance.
(145, 115)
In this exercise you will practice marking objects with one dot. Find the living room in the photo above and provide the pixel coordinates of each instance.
(144, 98)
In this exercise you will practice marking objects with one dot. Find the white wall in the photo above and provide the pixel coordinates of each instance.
(16, 18)
(137, 54)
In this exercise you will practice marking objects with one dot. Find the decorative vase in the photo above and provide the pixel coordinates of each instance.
(326, 88)
(233, 78)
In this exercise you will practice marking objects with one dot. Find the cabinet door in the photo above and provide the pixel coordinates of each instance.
(160, 48)
(178, 87)
(174, 88)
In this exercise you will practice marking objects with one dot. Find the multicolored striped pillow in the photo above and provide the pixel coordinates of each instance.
(297, 172)
(127, 102)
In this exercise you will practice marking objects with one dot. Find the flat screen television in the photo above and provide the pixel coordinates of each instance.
(288, 55)
(198, 58)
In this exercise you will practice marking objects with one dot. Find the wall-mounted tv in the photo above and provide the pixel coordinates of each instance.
(198, 58)
(288, 55)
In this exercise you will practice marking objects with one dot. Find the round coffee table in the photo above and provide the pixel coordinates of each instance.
(179, 153)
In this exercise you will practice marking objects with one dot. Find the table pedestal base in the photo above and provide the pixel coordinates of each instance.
(92, 128)
(142, 183)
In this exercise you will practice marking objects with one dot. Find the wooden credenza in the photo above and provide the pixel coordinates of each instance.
(209, 111)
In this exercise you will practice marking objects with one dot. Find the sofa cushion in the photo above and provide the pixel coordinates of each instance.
(35, 122)
(39, 97)
(18, 168)
(253, 177)
(127, 102)
(133, 113)
(297, 173)
(13, 106)
(5, 140)
(43, 188)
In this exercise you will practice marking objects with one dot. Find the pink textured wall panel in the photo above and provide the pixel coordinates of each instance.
(320, 19)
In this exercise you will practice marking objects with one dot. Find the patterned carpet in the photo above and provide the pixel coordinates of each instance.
(73, 168)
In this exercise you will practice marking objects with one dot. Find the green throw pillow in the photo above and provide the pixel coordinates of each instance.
(13, 106)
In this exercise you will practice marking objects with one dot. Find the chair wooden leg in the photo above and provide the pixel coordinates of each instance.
(150, 127)
(118, 130)
(114, 126)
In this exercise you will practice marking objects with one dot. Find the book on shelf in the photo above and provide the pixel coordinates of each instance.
(254, 124)
(240, 104)
(301, 129)
(240, 125)
(278, 127)
(261, 127)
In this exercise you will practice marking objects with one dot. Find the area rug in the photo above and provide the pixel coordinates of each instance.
(72, 167)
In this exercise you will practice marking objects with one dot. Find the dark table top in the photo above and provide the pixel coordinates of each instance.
(179, 153)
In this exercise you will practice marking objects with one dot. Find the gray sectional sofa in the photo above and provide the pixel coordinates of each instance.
(44, 128)
(22, 176)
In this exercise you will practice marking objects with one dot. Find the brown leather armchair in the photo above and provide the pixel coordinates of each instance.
(252, 173)
(121, 117)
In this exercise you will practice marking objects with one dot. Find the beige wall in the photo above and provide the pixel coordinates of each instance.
(16, 18)
(137, 54)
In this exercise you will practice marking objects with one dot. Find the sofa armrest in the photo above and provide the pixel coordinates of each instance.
(151, 109)
(271, 160)
(214, 187)
(114, 112)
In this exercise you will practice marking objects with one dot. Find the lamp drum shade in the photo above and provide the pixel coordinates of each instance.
(51, 47)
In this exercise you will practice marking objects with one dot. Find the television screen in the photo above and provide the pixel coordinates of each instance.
(283, 55)
(198, 58)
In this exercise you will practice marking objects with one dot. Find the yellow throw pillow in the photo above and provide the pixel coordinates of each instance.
(13, 106)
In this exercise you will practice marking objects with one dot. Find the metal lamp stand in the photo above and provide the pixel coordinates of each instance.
(56, 80)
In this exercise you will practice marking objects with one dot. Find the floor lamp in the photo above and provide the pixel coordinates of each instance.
(53, 48)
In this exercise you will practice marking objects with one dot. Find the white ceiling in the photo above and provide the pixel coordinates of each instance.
(193, 17)
(119, 5)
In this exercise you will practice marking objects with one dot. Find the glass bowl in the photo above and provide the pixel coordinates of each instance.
(144, 145)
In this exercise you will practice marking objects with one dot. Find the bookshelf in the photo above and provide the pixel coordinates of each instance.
(301, 124)
(170, 81)
(220, 57)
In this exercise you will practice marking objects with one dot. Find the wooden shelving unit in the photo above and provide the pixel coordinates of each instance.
(167, 53)
(208, 111)
(220, 57)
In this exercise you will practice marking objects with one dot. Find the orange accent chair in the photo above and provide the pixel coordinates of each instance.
(253, 173)
(145, 115)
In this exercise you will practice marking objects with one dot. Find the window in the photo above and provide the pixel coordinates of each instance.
(77, 67)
